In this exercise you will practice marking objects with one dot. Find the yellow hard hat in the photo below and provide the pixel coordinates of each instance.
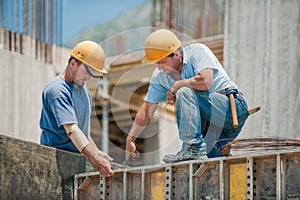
(92, 56)
(160, 44)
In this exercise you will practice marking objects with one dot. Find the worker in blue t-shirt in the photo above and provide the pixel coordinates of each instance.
(67, 103)
(194, 79)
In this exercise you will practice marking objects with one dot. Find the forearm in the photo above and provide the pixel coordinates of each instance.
(91, 152)
(202, 81)
(88, 148)
(142, 119)
(196, 82)
(135, 131)
(76, 135)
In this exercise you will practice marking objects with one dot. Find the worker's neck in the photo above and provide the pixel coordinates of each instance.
(176, 75)
(67, 75)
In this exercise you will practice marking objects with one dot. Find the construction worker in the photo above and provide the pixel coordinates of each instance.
(192, 77)
(67, 103)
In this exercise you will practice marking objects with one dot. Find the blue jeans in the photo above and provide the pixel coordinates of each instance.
(192, 106)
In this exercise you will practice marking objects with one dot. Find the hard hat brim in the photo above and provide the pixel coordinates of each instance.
(147, 61)
(93, 72)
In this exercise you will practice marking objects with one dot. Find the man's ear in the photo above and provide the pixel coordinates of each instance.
(73, 63)
(177, 53)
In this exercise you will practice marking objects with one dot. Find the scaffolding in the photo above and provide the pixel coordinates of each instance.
(264, 175)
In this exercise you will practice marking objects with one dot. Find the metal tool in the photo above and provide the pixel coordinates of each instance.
(129, 161)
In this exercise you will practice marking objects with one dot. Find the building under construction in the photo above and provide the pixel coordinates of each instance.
(258, 43)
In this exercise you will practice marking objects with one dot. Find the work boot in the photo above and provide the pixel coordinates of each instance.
(194, 152)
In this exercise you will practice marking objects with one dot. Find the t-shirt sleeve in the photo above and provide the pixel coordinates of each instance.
(63, 111)
(156, 93)
(160, 83)
(203, 58)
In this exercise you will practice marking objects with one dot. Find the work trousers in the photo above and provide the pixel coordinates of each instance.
(193, 106)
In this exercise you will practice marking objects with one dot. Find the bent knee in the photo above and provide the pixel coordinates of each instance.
(184, 92)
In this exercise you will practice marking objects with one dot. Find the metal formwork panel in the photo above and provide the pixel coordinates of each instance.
(206, 181)
(257, 176)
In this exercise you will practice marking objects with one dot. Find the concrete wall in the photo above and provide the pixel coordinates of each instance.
(262, 54)
(22, 79)
(32, 171)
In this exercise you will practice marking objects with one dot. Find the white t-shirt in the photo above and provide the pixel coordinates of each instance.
(196, 57)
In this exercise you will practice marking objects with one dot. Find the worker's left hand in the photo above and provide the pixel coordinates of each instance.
(171, 96)
(131, 151)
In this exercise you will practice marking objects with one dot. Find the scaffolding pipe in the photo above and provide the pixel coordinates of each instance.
(105, 123)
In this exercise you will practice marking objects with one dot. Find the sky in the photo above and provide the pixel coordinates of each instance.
(79, 15)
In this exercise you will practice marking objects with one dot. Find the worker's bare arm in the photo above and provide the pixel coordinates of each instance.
(142, 119)
(88, 148)
(202, 81)
(98, 159)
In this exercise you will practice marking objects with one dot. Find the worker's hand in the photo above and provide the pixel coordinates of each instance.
(103, 166)
(131, 151)
(99, 159)
(171, 96)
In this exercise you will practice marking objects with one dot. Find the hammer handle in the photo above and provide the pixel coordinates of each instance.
(235, 122)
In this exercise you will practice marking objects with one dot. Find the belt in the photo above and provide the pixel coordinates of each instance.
(223, 91)
(238, 93)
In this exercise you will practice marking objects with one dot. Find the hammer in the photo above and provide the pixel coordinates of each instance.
(231, 93)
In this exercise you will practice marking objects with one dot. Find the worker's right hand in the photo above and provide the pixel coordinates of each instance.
(171, 95)
(131, 151)
(103, 166)
(99, 159)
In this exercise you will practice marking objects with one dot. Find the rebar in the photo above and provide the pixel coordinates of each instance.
(263, 143)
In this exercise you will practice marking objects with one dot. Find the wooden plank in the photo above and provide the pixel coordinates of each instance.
(86, 183)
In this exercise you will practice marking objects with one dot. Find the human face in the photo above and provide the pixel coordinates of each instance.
(165, 64)
(81, 75)
(170, 64)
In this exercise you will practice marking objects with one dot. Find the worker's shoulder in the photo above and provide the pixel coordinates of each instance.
(196, 46)
(57, 87)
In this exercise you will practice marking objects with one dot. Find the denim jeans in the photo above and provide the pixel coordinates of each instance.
(192, 106)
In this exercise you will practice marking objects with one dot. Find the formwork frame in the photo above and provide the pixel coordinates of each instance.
(257, 176)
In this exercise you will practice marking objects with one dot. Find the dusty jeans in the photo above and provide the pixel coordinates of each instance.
(192, 106)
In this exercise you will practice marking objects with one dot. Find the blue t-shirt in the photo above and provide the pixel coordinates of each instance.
(196, 57)
(64, 103)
